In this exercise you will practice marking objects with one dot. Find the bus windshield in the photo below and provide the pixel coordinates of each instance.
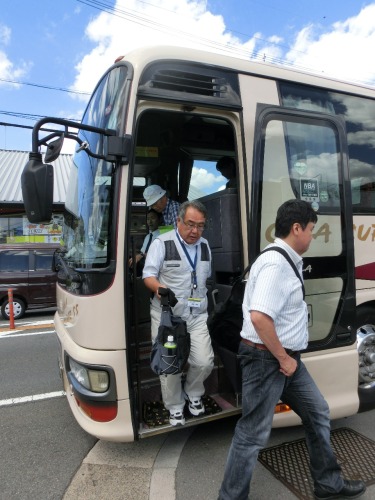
(90, 190)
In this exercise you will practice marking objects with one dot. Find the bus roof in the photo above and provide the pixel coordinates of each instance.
(144, 56)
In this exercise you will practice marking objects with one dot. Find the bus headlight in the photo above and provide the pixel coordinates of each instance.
(93, 380)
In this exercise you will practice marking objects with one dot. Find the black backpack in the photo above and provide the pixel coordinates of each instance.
(225, 321)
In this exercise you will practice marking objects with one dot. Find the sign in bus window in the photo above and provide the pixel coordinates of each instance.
(309, 189)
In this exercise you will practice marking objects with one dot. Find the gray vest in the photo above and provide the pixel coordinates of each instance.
(176, 274)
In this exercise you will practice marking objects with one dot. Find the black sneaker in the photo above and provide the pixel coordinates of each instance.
(351, 489)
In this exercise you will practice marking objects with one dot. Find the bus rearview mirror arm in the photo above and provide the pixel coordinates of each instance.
(37, 176)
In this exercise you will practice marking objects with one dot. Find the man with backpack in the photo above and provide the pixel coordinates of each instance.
(273, 334)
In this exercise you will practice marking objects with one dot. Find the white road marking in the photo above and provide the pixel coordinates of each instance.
(19, 333)
(29, 399)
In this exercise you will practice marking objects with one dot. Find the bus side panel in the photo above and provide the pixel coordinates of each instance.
(118, 429)
(332, 371)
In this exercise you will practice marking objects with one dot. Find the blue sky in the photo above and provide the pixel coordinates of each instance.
(49, 47)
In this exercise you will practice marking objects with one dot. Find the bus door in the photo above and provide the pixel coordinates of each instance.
(303, 155)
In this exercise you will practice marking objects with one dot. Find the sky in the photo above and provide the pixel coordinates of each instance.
(52, 53)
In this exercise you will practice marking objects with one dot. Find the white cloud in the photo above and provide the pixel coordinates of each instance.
(138, 24)
(345, 51)
(5, 33)
(203, 179)
(8, 71)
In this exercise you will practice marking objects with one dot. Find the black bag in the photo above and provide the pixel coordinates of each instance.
(225, 322)
(163, 363)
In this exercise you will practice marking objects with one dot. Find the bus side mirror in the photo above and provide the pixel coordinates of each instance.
(53, 149)
(37, 189)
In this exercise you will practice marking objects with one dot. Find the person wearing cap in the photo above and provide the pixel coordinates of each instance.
(227, 167)
(157, 199)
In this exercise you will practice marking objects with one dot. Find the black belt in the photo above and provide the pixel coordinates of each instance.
(262, 347)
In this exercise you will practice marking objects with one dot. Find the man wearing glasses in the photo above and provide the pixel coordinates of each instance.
(181, 261)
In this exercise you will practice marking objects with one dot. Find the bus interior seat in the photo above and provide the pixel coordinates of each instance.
(223, 234)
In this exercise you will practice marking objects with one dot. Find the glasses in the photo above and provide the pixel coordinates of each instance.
(191, 226)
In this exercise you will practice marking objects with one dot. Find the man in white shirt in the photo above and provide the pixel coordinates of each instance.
(181, 261)
(274, 331)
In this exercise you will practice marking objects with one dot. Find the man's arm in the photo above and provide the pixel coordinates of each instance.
(153, 285)
(265, 329)
(154, 260)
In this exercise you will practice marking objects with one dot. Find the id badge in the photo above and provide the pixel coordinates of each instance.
(193, 302)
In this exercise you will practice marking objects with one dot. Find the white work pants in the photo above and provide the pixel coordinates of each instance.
(201, 362)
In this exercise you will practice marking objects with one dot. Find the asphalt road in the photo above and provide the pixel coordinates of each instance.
(41, 445)
(46, 455)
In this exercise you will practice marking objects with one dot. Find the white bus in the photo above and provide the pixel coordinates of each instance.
(166, 116)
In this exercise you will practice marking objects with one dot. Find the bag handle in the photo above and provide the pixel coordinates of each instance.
(287, 257)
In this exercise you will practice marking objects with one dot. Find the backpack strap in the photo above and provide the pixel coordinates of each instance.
(286, 255)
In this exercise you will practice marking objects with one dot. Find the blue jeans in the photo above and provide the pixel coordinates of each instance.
(263, 385)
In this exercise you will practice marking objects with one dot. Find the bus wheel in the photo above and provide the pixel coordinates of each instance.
(365, 326)
(18, 308)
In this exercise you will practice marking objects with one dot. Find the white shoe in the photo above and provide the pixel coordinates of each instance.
(195, 405)
(176, 417)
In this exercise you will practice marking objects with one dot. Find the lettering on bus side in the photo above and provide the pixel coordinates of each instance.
(71, 313)
(362, 233)
(322, 231)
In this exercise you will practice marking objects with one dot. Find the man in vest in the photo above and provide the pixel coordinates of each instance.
(181, 261)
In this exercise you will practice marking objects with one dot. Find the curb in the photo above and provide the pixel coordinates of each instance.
(142, 470)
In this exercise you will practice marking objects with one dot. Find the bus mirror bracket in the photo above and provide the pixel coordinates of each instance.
(118, 149)
(37, 176)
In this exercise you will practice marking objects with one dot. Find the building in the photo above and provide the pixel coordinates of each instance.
(14, 225)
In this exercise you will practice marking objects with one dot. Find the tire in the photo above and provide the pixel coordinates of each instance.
(365, 329)
(18, 308)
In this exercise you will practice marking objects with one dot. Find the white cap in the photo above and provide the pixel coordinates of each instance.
(152, 194)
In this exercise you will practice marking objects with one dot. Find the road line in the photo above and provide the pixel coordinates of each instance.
(29, 399)
(17, 333)
(30, 326)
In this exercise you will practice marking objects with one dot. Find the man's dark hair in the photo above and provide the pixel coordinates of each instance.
(192, 204)
(293, 211)
(226, 161)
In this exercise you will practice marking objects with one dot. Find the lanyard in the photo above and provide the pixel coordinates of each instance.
(192, 263)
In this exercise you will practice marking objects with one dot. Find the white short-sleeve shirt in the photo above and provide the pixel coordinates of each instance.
(275, 290)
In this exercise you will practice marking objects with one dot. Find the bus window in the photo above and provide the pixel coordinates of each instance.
(358, 113)
(302, 160)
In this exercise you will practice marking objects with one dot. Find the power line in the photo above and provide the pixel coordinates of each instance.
(149, 22)
(48, 87)
(28, 116)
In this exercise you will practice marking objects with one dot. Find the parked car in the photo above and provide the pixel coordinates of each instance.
(27, 270)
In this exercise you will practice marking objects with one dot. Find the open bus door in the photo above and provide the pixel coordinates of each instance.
(304, 155)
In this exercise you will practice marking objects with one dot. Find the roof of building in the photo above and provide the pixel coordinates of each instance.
(11, 167)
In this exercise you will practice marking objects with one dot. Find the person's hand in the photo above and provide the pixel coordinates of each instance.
(157, 291)
(137, 259)
(288, 366)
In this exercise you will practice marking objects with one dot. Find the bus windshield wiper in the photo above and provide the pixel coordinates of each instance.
(65, 275)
